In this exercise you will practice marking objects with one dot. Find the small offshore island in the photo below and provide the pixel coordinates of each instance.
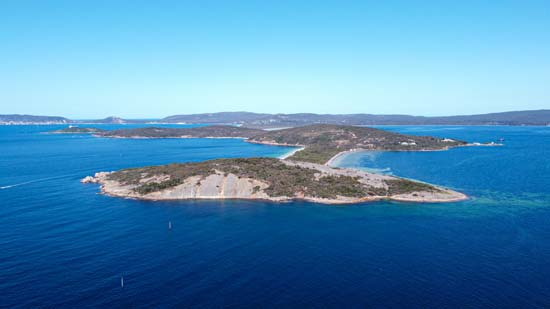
(305, 174)
(77, 130)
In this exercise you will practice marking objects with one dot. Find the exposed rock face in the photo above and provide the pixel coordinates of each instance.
(214, 186)
(95, 179)
(89, 179)
(219, 184)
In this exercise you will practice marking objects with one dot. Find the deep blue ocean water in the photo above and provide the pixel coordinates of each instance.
(64, 245)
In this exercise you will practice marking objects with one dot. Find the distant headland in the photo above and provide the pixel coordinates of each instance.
(263, 120)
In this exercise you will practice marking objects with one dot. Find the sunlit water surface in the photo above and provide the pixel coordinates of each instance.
(64, 245)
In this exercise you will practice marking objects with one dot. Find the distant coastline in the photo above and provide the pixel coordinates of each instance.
(278, 121)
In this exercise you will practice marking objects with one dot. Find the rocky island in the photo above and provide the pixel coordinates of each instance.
(267, 179)
(305, 174)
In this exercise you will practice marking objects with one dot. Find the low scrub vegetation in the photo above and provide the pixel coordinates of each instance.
(324, 141)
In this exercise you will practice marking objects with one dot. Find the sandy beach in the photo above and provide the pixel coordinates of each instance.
(332, 162)
(291, 153)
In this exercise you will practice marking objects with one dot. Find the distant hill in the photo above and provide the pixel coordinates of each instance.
(535, 117)
(109, 120)
(113, 120)
(30, 119)
(217, 118)
(259, 120)
(256, 120)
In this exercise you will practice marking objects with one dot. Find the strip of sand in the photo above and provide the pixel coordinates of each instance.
(291, 153)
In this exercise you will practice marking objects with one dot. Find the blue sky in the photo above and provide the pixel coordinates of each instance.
(90, 59)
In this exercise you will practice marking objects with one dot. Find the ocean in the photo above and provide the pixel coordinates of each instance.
(64, 245)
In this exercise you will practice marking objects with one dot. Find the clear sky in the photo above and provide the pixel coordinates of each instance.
(136, 59)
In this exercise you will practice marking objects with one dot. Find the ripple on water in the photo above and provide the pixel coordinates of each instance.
(65, 245)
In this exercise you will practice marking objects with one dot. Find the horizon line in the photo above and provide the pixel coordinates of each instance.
(266, 113)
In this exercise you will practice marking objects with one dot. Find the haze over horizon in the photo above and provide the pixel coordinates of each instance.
(89, 60)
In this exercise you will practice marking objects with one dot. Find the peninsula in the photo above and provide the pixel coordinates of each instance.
(265, 178)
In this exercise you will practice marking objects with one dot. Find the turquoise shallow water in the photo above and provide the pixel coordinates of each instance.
(64, 245)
